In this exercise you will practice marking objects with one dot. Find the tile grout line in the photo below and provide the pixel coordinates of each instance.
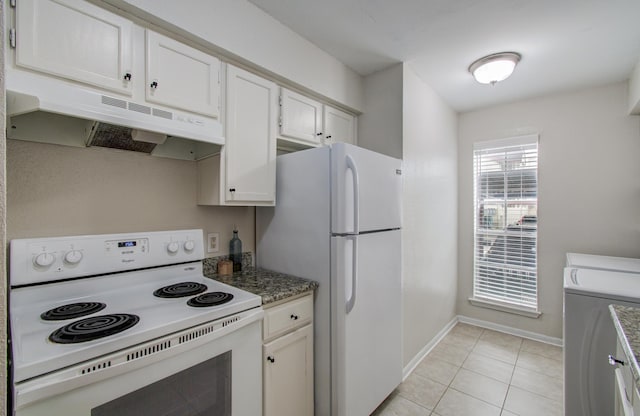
(456, 373)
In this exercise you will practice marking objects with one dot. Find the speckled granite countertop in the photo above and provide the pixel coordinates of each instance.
(271, 286)
(626, 319)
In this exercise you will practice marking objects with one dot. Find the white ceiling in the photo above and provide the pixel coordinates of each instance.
(565, 44)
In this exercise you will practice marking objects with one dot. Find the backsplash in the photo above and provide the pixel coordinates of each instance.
(210, 264)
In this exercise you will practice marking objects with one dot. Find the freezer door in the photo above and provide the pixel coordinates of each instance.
(366, 321)
(366, 190)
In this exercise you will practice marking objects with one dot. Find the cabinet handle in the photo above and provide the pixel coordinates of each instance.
(127, 76)
(613, 360)
(232, 189)
(271, 359)
(327, 137)
(294, 317)
(154, 84)
(319, 134)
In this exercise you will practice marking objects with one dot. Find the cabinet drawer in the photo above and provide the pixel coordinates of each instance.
(285, 317)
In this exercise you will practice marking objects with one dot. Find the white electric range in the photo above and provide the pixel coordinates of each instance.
(125, 323)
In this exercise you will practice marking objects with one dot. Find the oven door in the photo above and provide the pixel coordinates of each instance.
(212, 369)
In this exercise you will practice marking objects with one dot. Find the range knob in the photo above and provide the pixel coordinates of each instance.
(73, 257)
(173, 247)
(44, 259)
(189, 245)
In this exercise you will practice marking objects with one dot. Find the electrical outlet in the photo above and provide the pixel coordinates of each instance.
(213, 242)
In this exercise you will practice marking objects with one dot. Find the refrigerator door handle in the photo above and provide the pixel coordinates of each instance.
(351, 165)
(354, 273)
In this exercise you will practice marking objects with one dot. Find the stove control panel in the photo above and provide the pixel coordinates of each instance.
(49, 259)
(127, 247)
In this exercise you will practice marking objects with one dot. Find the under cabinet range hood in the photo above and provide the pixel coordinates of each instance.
(51, 110)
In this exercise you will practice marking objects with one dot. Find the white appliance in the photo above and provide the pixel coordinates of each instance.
(127, 324)
(338, 221)
(591, 284)
(593, 261)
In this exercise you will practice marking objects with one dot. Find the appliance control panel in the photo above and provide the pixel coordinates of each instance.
(38, 260)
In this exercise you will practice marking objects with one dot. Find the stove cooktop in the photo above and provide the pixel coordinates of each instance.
(39, 345)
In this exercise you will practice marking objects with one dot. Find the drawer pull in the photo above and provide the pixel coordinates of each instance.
(271, 359)
(613, 360)
(294, 317)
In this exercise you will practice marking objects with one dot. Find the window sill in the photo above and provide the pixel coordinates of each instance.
(484, 303)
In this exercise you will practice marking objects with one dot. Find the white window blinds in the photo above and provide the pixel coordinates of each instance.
(506, 221)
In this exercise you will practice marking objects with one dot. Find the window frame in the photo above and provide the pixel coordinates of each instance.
(525, 237)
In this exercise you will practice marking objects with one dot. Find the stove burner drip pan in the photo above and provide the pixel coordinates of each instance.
(180, 290)
(92, 328)
(210, 299)
(72, 310)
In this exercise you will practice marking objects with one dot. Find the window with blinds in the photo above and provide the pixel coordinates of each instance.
(506, 221)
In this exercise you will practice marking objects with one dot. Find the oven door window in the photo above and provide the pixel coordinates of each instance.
(204, 389)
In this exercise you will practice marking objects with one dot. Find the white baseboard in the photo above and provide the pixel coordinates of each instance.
(510, 330)
(427, 348)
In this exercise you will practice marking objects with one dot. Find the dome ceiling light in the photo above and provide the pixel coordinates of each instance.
(494, 68)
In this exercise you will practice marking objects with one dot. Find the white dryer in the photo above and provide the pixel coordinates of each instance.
(589, 334)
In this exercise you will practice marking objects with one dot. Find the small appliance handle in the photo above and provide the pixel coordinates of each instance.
(351, 165)
(354, 273)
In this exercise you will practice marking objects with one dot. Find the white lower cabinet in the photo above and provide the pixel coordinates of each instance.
(288, 358)
(627, 399)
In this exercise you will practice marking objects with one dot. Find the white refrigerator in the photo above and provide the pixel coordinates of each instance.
(337, 221)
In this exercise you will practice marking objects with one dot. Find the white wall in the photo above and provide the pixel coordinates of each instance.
(57, 190)
(589, 188)
(246, 32)
(429, 214)
(634, 90)
(3, 227)
(380, 126)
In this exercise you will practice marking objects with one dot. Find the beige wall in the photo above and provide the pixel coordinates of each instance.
(429, 201)
(589, 188)
(380, 126)
(57, 190)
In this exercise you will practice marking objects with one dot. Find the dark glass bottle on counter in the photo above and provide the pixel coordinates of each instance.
(235, 251)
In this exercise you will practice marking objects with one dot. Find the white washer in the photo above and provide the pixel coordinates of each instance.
(589, 334)
(592, 261)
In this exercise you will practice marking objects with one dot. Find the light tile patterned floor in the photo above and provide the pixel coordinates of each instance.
(477, 372)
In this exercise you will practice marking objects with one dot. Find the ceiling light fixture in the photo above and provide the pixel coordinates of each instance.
(494, 68)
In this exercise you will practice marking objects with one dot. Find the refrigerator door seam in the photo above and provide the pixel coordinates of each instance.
(364, 232)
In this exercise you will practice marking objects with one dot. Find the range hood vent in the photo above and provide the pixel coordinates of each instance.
(117, 137)
(49, 110)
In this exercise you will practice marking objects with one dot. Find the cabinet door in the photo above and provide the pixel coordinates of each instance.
(339, 126)
(250, 150)
(76, 40)
(182, 77)
(301, 117)
(288, 374)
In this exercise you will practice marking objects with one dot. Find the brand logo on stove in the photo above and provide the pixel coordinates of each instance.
(128, 260)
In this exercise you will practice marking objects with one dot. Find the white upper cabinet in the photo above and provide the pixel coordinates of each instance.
(300, 117)
(305, 122)
(338, 126)
(244, 173)
(250, 149)
(182, 77)
(76, 40)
